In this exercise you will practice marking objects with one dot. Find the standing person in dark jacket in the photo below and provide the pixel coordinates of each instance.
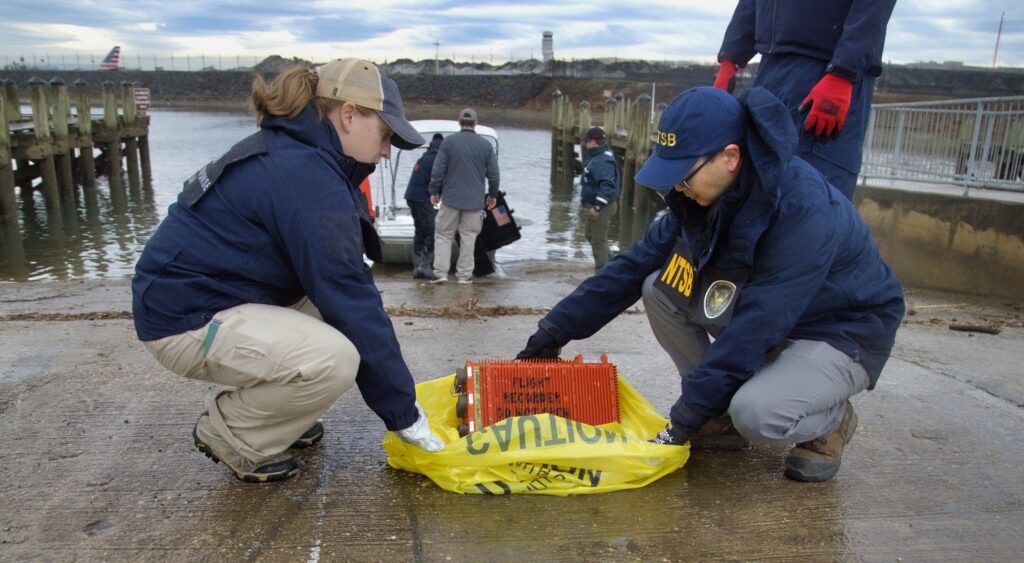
(417, 196)
(599, 193)
(758, 250)
(464, 161)
(256, 279)
(821, 59)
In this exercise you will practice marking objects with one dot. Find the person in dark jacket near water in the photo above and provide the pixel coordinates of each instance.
(821, 59)
(599, 193)
(256, 280)
(758, 250)
(417, 196)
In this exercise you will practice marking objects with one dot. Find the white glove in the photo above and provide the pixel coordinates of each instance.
(419, 434)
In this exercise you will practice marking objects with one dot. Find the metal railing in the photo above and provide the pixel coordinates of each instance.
(974, 143)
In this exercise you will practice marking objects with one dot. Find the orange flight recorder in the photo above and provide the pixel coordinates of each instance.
(493, 390)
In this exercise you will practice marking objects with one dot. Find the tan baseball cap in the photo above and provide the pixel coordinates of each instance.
(362, 83)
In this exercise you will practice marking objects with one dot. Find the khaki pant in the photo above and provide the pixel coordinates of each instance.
(287, 367)
(468, 223)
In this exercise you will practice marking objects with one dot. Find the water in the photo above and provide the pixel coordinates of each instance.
(105, 240)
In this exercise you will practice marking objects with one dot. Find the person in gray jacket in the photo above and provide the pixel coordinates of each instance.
(464, 161)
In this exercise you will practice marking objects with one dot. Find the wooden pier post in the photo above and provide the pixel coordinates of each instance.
(131, 143)
(86, 160)
(568, 152)
(13, 105)
(640, 140)
(556, 123)
(8, 213)
(610, 113)
(147, 170)
(63, 151)
(43, 152)
(10, 228)
(586, 122)
(113, 142)
(626, 188)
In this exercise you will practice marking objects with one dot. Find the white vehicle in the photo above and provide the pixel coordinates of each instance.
(394, 219)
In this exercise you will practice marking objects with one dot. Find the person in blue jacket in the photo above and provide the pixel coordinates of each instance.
(256, 279)
(417, 196)
(821, 59)
(760, 251)
(599, 193)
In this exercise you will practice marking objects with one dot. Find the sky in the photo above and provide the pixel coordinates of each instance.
(481, 30)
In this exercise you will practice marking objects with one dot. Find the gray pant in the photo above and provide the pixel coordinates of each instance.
(468, 223)
(799, 394)
(596, 231)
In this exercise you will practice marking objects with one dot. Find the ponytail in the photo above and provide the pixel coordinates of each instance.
(288, 94)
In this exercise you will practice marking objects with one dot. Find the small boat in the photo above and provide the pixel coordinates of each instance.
(393, 218)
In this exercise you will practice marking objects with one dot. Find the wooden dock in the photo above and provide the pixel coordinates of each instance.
(53, 150)
(630, 126)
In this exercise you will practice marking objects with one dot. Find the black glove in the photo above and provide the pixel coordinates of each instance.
(542, 345)
(670, 436)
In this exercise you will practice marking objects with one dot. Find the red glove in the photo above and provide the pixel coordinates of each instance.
(726, 79)
(826, 106)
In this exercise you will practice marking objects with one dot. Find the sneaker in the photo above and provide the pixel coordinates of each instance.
(310, 437)
(719, 434)
(434, 278)
(465, 281)
(819, 459)
(277, 468)
(667, 437)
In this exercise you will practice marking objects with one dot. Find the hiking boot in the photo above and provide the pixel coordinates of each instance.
(719, 434)
(310, 437)
(218, 449)
(818, 460)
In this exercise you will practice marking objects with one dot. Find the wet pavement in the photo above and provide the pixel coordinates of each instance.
(98, 461)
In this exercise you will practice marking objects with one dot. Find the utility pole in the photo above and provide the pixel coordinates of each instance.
(998, 35)
(437, 58)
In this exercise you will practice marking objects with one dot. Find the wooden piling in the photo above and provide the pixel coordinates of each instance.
(568, 150)
(640, 133)
(586, 122)
(556, 124)
(43, 154)
(113, 141)
(62, 151)
(147, 170)
(131, 143)
(611, 112)
(13, 105)
(8, 211)
(86, 160)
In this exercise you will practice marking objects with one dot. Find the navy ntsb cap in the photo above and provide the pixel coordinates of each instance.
(362, 83)
(699, 122)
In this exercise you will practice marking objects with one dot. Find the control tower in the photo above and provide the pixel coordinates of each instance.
(547, 48)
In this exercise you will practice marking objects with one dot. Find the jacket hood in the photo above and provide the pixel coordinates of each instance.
(771, 139)
(310, 129)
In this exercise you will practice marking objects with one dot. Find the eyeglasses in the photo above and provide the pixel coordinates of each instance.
(686, 181)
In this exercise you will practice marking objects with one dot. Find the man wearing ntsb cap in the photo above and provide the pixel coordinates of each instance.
(256, 280)
(760, 251)
(599, 193)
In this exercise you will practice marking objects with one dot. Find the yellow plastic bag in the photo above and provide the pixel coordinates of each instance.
(539, 454)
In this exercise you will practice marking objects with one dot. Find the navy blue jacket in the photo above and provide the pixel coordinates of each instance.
(599, 183)
(848, 35)
(273, 227)
(418, 188)
(814, 270)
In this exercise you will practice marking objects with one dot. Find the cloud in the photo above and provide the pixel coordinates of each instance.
(919, 30)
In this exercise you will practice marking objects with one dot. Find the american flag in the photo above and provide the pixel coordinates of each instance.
(501, 216)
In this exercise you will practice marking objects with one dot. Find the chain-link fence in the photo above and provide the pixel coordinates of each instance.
(974, 143)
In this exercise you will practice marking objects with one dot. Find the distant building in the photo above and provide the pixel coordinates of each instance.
(547, 47)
